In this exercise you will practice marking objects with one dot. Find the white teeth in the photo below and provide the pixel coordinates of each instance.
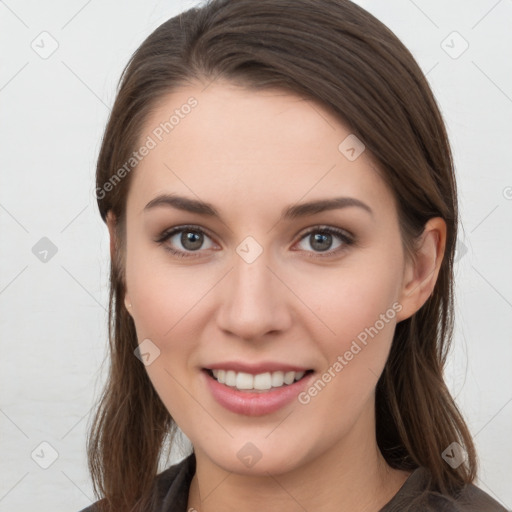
(299, 375)
(289, 377)
(260, 382)
(263, 381)
(277, 379)
(244, 381)
(230, 378)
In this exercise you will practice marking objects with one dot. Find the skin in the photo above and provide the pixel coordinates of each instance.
(252, 154)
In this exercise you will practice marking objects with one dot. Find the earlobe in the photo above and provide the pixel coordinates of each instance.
(421, 272)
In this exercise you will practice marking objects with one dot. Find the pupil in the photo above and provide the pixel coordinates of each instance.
(321, 242)
(191, 240)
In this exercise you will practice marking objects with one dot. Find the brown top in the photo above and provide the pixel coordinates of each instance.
(172, 486)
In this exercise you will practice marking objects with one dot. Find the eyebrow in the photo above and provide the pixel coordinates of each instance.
(289, 213)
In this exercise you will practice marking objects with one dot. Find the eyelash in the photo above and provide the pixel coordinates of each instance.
(345, 238)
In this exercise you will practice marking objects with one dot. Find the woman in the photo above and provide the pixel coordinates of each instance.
(279, 191)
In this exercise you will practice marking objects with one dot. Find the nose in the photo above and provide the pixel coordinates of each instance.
(254, 302)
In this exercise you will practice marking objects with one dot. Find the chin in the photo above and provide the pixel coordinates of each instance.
(258, 458)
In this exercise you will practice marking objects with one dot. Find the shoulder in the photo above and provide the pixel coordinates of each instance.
(416, 495)
(171, 487)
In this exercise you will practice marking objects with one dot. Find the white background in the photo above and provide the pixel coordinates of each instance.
(53, 317)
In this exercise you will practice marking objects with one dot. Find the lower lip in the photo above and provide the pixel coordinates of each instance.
(255, 404)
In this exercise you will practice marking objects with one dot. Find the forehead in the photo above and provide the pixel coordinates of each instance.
(228, 143)
(230, 121)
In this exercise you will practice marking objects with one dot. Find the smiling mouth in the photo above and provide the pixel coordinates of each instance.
(266, 381)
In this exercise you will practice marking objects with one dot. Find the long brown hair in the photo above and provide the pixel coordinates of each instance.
(337, 53)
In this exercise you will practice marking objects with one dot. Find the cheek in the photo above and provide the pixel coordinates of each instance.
(163, 301)
(358, 304)
(161, 296)
(348, 300)
(366, 305)
(363, 318)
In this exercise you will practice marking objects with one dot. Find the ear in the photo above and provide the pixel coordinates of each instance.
(112, 224)
(421, 271)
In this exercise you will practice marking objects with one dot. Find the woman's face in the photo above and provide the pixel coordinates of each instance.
(261, 244)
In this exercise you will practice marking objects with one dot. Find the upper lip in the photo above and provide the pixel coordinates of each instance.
(256, 368)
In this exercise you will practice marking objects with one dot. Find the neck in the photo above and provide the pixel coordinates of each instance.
(351, 476)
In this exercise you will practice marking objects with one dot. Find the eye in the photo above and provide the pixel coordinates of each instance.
(187, 241)
(183, 241)
(325, 241)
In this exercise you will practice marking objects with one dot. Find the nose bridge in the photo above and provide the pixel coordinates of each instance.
(254, 302)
